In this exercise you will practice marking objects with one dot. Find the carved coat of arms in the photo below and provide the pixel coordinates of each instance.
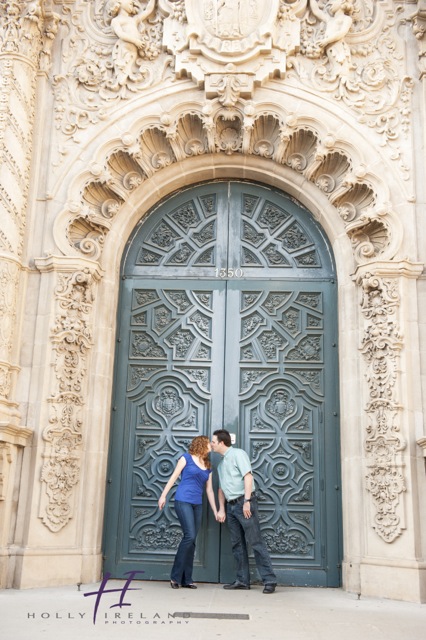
(225, 29)
(241, 42)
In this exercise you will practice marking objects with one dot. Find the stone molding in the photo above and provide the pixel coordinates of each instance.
(18, 436)
(10, 272)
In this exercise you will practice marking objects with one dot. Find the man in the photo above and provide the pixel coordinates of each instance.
(237, 491)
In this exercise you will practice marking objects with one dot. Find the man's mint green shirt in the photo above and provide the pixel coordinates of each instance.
(235, 464)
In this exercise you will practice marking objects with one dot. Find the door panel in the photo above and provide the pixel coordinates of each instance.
(275, 401)
(172, 339)
(227, 318)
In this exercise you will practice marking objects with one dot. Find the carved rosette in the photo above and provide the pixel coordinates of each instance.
(381, 345)
(71, 339)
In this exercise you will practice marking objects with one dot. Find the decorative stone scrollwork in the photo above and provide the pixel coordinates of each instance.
(350, 50)
(71, 340)
(381, 345)
(29, 29)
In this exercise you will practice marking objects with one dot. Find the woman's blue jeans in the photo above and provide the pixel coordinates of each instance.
(190, 520)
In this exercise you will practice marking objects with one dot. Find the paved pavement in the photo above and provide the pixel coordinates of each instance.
(155, 612)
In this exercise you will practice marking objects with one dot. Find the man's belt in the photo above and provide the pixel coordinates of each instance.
(240, 498)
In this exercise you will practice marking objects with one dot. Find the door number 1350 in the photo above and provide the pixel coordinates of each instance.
(229, 273)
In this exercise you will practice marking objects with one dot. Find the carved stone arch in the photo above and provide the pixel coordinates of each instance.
(301, 143)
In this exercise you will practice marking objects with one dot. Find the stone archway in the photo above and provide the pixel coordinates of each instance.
(128, 175)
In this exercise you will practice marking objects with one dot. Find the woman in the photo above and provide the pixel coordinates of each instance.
(196, 473)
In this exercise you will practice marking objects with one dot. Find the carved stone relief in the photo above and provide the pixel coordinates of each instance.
(27, 30)
(362, 71)
(72, 340)
(348, 52)
(381, 345)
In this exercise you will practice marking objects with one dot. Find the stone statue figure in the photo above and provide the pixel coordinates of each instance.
(128, 25)
(337, 25)
(229, 19)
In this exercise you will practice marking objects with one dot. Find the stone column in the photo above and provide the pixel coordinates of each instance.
(391, 403)
(26, 32)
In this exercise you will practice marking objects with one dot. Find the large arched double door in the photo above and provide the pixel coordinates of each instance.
(227, 318)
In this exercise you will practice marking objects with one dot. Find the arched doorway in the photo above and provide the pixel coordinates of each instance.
(227, 316)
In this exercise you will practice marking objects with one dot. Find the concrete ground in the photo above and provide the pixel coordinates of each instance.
(152, 610)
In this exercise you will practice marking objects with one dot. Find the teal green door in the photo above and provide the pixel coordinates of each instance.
(227, 318)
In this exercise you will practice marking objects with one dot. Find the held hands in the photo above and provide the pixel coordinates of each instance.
(221, 515)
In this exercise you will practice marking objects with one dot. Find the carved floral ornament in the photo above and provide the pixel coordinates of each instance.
(382, 342)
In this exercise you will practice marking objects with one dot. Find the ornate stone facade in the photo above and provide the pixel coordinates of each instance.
(317, 98)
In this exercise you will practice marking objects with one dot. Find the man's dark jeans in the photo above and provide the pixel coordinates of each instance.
(190, 519)
(246, 531)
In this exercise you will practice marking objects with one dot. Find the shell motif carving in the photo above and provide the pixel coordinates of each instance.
(340, 178)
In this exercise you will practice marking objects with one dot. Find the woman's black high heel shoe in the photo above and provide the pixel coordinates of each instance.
(174, 585)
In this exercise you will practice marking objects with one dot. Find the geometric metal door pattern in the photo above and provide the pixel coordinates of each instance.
(227, 317)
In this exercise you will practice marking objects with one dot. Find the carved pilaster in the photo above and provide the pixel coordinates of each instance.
(71, 339)
(384, 442)
(26, 33)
